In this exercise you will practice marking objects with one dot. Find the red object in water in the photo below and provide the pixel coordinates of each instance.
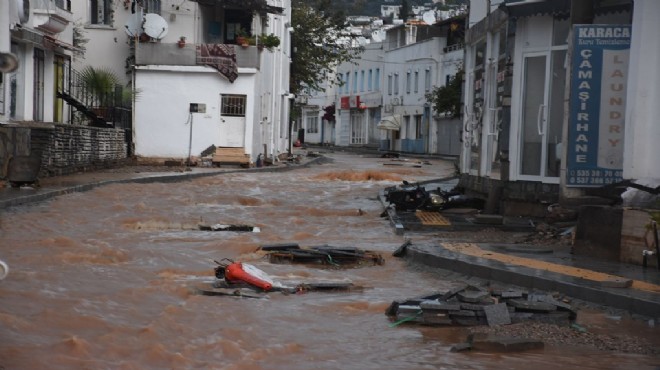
(234, 273)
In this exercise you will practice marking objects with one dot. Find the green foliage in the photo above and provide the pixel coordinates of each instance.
(447, 99)
(318, 25)
(103, 83)
(79, 40)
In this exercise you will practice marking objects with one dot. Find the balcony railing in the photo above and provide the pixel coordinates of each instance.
(159, 53)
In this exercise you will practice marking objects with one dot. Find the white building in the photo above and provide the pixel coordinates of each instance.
(187, 56)
(381, 102)
(39, 34)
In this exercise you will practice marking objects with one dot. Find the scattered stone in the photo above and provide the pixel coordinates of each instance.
(401, 251)
(436, 318)
(451, 293)
(471, 296)
(437, 305)
(489, 219)
(460, 347)
(497, 314)
(532, 306)
(512, 294)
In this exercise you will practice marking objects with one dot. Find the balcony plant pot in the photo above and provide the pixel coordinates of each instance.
(182, 42)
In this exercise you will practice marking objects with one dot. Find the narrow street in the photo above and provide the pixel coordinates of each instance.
(106, 279)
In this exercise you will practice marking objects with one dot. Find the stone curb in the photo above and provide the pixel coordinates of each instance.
(642, 303)
(174, 177)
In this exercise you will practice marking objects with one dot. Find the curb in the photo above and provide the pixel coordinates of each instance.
(45, 194)
(642, 303)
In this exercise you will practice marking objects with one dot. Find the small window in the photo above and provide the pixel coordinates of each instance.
(408, 82)
(100, 12)
(396, 84)
(377, 80)
(151, 6)
(370, 85)
(313, 123)
(355, 82)
(416, 82)
(361, 81)
(389, 85)
(233, 105)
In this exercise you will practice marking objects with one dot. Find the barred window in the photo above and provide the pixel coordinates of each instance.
(152, 6)
(233, 105)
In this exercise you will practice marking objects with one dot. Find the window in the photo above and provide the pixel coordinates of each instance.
(151, 6)
(418, 126)
(100, 12)
(396, 84)
(390, 85)
(362, 81)
(377, 80)
(313, 123)
(233, 105)
(370, 85)
(408, 82)
(427, 80)
(355, 81)
(416, 82)
(348, 80)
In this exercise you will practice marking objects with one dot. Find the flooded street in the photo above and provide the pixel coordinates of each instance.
(106, 280)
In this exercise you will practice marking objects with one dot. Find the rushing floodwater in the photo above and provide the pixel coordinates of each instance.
(105, 280)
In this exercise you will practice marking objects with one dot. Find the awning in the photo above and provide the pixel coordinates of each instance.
(390, 123)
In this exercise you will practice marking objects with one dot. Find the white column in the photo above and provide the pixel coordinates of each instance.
(5, 42)
(641, 157)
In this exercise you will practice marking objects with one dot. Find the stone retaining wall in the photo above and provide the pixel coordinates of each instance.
(63, 148)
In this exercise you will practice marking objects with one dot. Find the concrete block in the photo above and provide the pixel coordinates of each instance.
(497, 314)
(506, 345)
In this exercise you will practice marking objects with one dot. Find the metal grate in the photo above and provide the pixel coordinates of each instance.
(432, 218)
(233, 105)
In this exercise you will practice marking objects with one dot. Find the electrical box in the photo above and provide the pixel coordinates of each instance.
(197, 108)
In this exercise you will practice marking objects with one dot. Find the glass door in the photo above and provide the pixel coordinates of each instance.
(542, 115)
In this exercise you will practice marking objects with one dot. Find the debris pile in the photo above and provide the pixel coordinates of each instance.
(321, 255)
(470, 306)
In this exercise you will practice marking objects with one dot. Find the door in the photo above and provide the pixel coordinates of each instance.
(542, 115)
(232, 121)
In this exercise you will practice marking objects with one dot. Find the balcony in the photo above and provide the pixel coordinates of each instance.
(159, 53)
(52, 17)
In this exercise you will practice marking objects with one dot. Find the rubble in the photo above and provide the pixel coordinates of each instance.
(469, 306)
(321, 255)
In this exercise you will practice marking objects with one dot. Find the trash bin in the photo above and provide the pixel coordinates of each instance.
(23, 170)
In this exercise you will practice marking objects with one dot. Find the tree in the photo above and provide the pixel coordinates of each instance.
(447, 99)
(320, 43)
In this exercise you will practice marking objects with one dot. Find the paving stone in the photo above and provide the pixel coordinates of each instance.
(468, 321)
(521, 305)
(471, 296)
(497, 314)
(488, 219)
(436, 305)
(559, 318)
(512, 294)
(462, 313)
(405, 309)
(472, 306)
(517, 317)
(452, 292)
(433, 318)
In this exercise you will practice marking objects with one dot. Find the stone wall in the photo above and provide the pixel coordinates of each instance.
(63, 148)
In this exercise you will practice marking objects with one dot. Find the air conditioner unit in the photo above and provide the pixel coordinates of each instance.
(388, 108)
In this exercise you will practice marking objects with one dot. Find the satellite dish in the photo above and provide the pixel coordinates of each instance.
(429, 17)
(133, 26)
(8, 62)
(23, 7)
(155, 26)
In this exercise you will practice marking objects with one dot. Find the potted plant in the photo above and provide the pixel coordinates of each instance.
(242, 38)
(182, 41)
(269, 41)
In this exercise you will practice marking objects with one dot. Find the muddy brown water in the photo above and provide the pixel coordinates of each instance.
(105, 280)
